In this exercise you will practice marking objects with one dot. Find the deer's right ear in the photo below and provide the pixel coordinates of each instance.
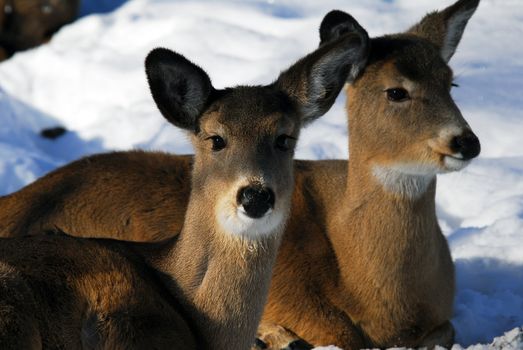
(445, 28)
(180, 88)
(315, 81)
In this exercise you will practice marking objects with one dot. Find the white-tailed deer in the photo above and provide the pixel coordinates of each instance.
(27, 23)
(363, 262)
(206, 287)
(379, 273)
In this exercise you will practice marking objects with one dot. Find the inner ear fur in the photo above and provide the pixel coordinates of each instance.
(315, 81)
(337, 23)
(445, 28)
(180, 88)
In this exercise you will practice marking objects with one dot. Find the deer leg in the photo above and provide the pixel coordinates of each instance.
(442, 335)
(271, 336)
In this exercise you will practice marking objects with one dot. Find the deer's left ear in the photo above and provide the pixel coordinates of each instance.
(445, 28)
(337, 23)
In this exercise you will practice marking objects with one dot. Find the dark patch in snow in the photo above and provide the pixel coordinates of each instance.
(53, 133)
(99, 6)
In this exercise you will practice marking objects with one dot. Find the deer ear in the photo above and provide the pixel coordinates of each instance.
(180, 88)
(445, 28)
(337, 23)
(315, 81)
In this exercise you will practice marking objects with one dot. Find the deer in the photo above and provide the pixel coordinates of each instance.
(28, 23)
(204, 288)
(380, 272)
(362, 262)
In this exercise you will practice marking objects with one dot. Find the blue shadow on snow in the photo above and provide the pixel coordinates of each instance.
(99, 6)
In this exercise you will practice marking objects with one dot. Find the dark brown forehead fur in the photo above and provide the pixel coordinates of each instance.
(414, 57)
(245, 106)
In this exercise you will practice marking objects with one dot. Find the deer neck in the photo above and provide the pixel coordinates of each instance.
(221, 280)
(388, 220)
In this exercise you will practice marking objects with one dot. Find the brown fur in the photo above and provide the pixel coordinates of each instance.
(32, 22)
(359, 265)
(106, 299)
(206, 287)
(74, 202)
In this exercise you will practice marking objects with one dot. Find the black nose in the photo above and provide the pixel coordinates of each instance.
(467, 144)
(256, 200)
(299, 345)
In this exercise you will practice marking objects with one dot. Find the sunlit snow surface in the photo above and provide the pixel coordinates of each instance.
(90, 79)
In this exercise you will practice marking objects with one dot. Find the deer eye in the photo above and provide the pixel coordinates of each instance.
(285, 142)
(397, 94)
(218, 143)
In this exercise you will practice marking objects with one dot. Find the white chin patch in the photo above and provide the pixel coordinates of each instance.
(235, 221)
(408, 180)
(454, 163)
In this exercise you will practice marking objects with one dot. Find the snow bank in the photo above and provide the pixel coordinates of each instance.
(90, 79)
(511, 340)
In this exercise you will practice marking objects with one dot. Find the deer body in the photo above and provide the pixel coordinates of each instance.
(363, 262)
(379, 273)
(124, 295)
(107, 299)
(139, 177)
(206, 287)
(403, 284)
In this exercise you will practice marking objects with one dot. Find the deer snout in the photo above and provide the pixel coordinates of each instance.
(467, 145)
(256, 200)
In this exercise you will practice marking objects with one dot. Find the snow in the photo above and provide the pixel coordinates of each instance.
(90, 79)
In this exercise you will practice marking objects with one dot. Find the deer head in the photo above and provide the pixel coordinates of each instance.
(403, 120)
(245, 136)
